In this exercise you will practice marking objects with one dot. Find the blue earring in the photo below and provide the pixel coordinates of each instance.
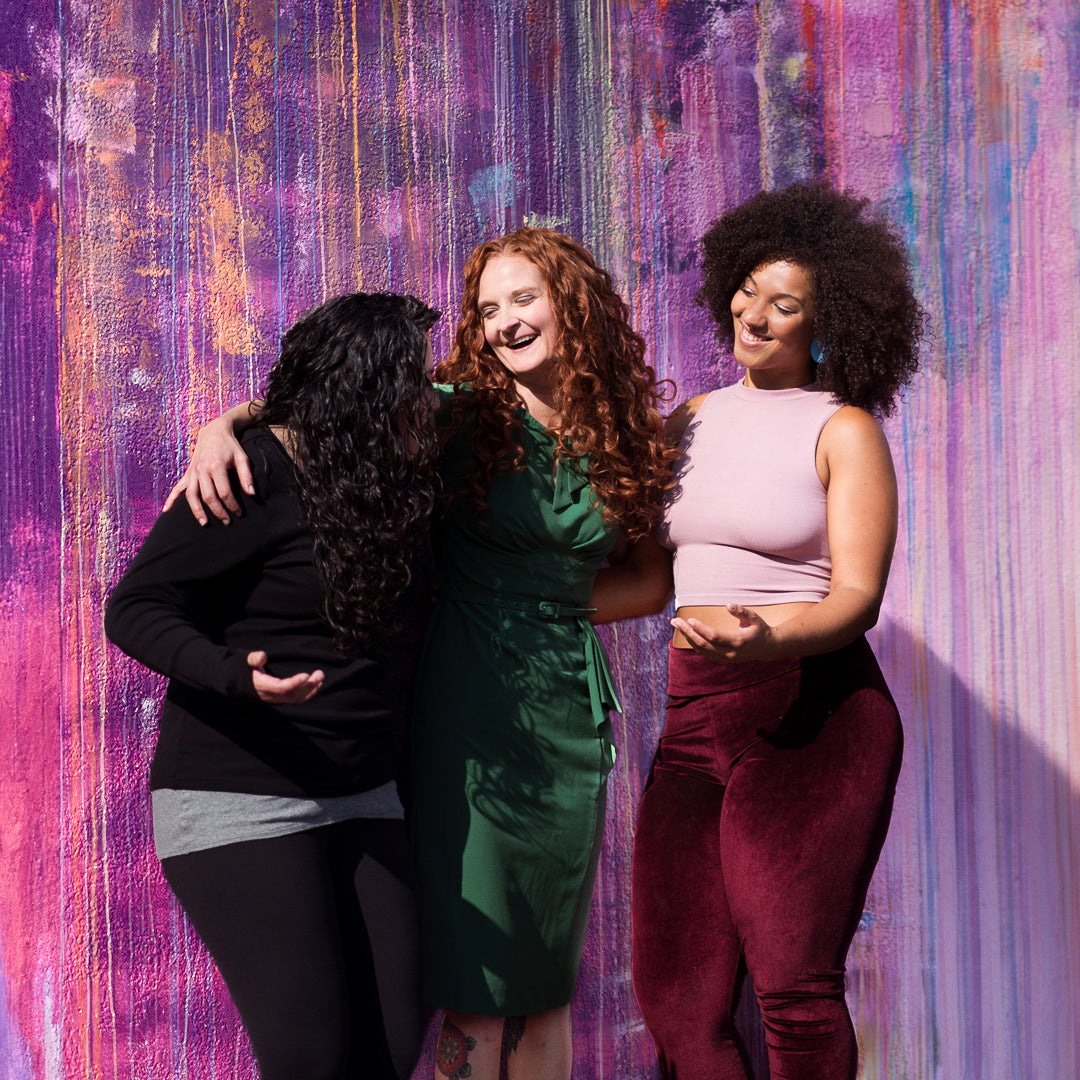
(817, 353)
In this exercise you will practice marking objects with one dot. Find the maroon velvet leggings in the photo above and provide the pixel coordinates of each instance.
(760, 825)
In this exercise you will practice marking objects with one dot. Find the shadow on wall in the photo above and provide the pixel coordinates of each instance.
(970, 942)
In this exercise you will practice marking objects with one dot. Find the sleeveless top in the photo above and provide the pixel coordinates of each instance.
(746, 518)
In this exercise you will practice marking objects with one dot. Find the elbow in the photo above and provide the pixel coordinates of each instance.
(650, 598)
(870, 613)
(115, 622)
(857, 610)
(110, 619)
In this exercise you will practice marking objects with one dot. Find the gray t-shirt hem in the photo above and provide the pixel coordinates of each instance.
(187, 820)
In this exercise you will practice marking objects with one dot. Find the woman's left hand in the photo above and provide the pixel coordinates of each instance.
(751, 640)
(294, 690)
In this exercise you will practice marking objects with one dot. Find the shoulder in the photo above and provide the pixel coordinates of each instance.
(446, 392)
(449, 417)
(852, 440)
(851, 425)
(676, 424)
(272, 469)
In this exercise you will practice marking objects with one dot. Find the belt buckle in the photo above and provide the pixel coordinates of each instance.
(549, 609)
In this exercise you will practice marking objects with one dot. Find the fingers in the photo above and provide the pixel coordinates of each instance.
(243, 474)
(746, 616)
(195, 505)
(294, 690)
(206, 487)
(698, 633)
(709, 641)
(177, 488)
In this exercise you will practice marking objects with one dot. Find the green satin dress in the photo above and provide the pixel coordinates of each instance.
(511, 739)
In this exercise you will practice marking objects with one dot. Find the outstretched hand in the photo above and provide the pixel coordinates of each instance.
(751, 640)
(206, 480)
(294, 690)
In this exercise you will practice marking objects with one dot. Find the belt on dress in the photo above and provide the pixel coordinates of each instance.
(602, 695)
(542, 609)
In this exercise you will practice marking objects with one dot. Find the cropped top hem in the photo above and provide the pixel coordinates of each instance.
(750, 599)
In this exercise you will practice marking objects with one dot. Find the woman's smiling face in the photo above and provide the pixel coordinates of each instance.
(773, 311)
(519, 324)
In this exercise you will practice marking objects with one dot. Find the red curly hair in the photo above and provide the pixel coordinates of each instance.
(606, 397)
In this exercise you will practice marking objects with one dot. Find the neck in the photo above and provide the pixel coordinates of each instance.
(285, 437)
(538, 401)
(760, 380)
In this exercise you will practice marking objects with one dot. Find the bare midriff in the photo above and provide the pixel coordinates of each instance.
(722, 619)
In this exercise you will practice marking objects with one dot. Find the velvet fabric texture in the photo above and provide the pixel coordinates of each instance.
(760, 825)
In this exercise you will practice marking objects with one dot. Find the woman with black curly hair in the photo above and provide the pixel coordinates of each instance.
(552, 460)
(770, 794)
(276, 815)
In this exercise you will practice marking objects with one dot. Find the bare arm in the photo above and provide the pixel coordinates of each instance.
(207, 477)
(638, 583)
(861, 515)
(638, 580)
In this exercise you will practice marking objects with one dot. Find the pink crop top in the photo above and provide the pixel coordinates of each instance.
(746, 518)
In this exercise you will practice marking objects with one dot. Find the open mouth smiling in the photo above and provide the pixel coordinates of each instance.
(522, 343)
(749, 337)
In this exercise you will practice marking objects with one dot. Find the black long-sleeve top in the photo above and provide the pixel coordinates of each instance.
(196, 600)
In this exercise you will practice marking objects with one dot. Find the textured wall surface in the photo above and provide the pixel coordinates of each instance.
(180, 178)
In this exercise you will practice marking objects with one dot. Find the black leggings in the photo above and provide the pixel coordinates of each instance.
(315, 936)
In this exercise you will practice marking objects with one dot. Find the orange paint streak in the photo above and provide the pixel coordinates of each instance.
(228, 286)
(408, 195)
(7, 139)
(659, 124)
(809, 22)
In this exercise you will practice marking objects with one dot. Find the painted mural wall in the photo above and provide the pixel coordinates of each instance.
(179, 179)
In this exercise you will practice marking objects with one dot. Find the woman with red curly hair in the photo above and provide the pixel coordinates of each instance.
(553, 447)
(552, 462)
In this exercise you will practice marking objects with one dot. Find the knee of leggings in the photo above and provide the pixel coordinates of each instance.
(807, 1014)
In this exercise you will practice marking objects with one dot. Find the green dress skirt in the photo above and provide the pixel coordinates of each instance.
(511, 739)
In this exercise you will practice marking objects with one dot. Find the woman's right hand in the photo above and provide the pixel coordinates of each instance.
(206, 480)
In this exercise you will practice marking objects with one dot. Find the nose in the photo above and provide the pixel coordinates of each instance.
(506, 322)
(754, 314)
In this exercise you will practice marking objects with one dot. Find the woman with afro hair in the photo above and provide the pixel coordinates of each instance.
(770, 793)
(276, 815)
(552, 461)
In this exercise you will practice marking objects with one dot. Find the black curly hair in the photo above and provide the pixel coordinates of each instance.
(866, 317)
(352, 388)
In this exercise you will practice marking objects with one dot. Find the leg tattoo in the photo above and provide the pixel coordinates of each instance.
(513, 1030)
(452, 1052)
